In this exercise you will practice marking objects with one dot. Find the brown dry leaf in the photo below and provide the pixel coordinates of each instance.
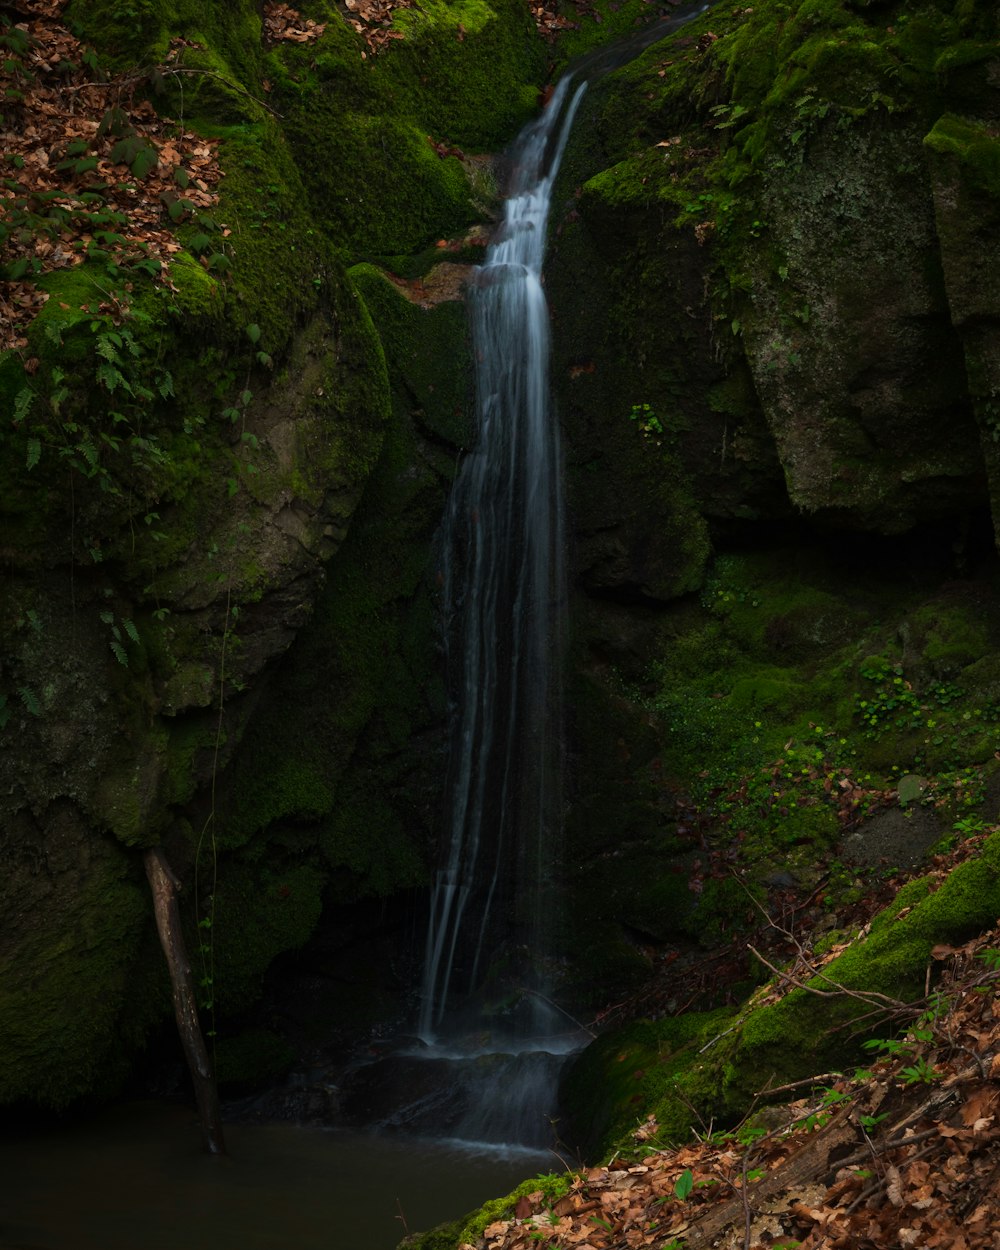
(64, 108)
(979, 1106)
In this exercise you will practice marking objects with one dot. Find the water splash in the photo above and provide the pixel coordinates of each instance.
(504, 592)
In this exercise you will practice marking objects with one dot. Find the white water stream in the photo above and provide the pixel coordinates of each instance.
(504, 594)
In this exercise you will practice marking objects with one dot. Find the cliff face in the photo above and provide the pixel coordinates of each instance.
(761, 327)
(765, 213)
(777, 325)
(183, 460)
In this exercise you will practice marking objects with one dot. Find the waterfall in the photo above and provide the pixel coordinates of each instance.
(504, 595)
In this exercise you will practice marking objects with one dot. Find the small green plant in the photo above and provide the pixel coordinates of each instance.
(891, 704)
(206, 982)
(892, 1047)
(727, 115)
(684, 1184)
(647, 420)
(100, 429)
(118, 628)
(922, 1071)
(748, 1134)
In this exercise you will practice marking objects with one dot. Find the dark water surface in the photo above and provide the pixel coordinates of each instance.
(134, 1178)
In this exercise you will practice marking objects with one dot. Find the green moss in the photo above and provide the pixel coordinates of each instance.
(338, 772)
(973, 145)
(953, 636)
(428, 352)
(802, 1032)
(63, 983)
(695, 1066)
(362, 843)
(603, 23)
(289, 790)
(444, 1237)
(127, 799)
(360, 128)
(129, 30)
(224, 67)
(633, 1072)
(551, 1185)
(282, 261)
(471, 51)
(261, 911)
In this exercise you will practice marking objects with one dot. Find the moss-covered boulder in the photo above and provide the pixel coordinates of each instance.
(705, 1068)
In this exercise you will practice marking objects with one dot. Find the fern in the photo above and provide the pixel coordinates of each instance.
(22, 404)
(30, 700)
(107, 346)
(89, 453)
(111, 378)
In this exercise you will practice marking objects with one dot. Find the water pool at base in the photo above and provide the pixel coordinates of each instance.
(134, 1178)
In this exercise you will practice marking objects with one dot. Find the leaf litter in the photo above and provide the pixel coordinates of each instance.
(90, 171)
(903, 1153)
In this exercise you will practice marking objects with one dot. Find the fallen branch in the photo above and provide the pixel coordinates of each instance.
(872, 999)
(825, 1078)
(164, 886)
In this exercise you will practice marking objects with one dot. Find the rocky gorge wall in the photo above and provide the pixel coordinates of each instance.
(182, 462)
(776, 341)
(751, 276)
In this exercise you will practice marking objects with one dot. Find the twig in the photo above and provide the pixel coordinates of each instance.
(545, 999)
(881, 1148)
(839, 991)
(746, 1202)
(133, 80)
(719, 1036)
(211, 73)
(822, 1079)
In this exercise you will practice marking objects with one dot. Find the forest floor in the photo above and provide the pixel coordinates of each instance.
(904, 1152)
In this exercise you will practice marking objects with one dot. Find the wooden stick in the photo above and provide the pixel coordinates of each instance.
(164, 886)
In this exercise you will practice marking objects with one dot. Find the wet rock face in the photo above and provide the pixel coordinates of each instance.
(850, 341)
(855, 409)
(483, 1096)
(775, 238)
(113, 672)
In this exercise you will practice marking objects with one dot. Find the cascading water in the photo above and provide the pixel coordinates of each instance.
(504, 596)
(491, 1040)
(488, 1066)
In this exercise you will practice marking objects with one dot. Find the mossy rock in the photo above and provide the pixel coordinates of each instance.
(428, 353)
(69, 962)
(259, 912)
(657, 1068)
(620, 1078)
(250, 1058)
